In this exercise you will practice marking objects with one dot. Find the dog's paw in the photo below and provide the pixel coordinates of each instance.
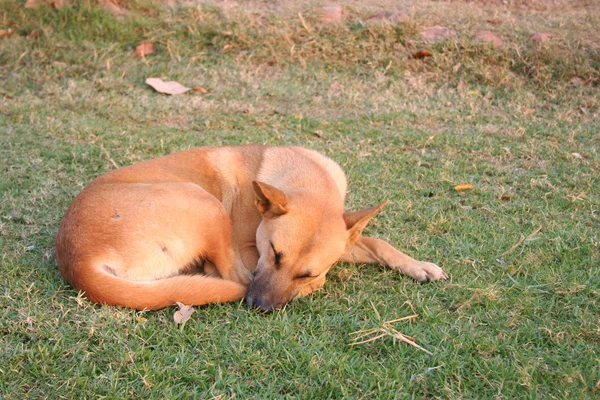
(424, 272)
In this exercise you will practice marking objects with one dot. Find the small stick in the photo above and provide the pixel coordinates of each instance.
(304, 24)
(403, 319)
(521, 241)
(109, 157)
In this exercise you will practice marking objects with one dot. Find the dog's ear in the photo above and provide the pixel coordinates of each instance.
(270, 201)
(357, 220)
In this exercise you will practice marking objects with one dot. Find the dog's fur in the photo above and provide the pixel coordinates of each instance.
(215, 224)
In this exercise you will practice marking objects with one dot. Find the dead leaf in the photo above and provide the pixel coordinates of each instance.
(332, 14)
(183, 314)
(463, 186)
(200, 90)
(437, 33)
(461, 85)
(577, 81)
(52, 3)
(113, 8)
(456, 67)
(35, 3)
(59, 64)
(505, 198)
(143, 49)
(59, 3)
(6, 32)
(171, 87)
(488, 37)
(539, 37)
(419, 55)
(34, 34)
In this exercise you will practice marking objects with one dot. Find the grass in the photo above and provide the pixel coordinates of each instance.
(517, 319)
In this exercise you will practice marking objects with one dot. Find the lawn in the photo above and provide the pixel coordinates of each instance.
(519, 316)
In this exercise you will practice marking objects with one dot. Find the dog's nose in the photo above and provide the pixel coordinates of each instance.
(259, 303)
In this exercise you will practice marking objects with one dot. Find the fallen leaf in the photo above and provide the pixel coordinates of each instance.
(171, 87)
(200, 90)
(52, 3)
(461, 85)
(143, 49)
(113, 8)
(577, 81)
(505, 198)
(437, 33)
(34, 34)
(6, 32)
(419, 55)
(463, 186)
(389, 17)
(488, 37)
(539, 37)
(456, 67)
(332, 14)
(59, 64)
(141, 319)
(34, 3)
(59, 3)
(183, 314)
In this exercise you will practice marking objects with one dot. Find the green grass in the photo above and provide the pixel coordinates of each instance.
(512, 322)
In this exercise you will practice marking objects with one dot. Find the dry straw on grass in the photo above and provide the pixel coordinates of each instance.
(386, 330)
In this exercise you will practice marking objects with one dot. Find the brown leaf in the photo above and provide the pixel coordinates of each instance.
(577, 81)
(183, 314)
(461, 85)
(393, 17)
(34, 34)
(332, 14)
(463, 186)
(488, 37)
(422, 54)
(6, 32)
(539, 37)
(143, 49)
(35, 3)
(170, 87)
(113, 8)
(200, 90)
(59, 3)
(437, 33)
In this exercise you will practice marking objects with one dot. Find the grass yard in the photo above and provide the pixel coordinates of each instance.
(519, 316)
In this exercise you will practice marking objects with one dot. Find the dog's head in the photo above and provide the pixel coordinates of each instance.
(299, 239)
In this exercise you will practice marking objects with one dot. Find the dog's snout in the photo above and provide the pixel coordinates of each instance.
(259, 303)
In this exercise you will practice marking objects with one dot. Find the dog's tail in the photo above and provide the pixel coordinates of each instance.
(102, 286)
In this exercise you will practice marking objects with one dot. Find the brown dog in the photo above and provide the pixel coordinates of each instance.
(215, 224)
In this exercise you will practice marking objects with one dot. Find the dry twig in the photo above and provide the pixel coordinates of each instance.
(386, 330)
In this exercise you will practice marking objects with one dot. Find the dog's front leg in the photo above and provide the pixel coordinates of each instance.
(373, 250)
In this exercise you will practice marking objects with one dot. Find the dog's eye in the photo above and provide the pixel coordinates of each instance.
(305, 275)
(278, 256)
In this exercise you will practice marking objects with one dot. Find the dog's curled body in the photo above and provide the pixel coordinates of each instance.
(214, 224)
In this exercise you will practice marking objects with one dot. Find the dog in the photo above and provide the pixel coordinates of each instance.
(217, 224)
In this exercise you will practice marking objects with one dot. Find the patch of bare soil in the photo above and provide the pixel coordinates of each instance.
(535, 5)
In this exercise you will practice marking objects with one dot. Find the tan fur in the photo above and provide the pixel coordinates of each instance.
(204, 225)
